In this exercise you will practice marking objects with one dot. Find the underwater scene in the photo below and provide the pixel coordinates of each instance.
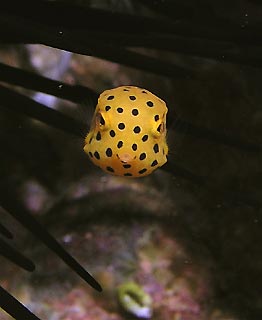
(130, 160)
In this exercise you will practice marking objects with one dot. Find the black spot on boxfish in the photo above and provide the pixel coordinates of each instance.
(137, 129)
(98, 136)
(119, 110)
(127, 166)
(156, 148)
(120, 144)
(134, 146)
(110, 98)
(134, 112)
(121, 126)
(150, 103)
(145, 137)
(107, 108)
(142, 156)
(128, 174)
(97, 155)
(156, 117)
(110, 169)
(142, 171)
(112, 133)
(132, 98)
(109, 152)
(154, 163)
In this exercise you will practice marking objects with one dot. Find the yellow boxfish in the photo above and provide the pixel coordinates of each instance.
(128, 132)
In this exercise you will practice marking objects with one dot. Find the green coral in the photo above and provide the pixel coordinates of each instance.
(135, 300)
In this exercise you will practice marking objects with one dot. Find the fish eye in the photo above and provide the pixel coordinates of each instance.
(100, 121)
(159, 130)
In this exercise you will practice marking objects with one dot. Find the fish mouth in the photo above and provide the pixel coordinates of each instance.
(125, 157)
